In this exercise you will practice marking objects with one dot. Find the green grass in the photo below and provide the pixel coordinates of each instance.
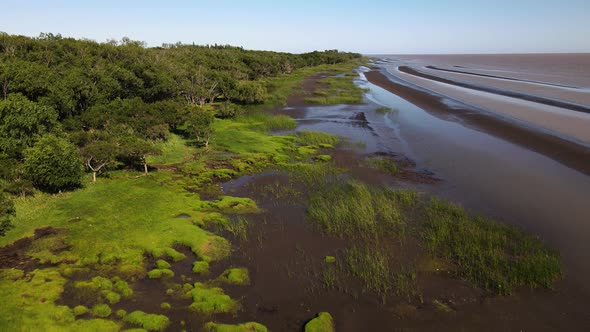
(383, 164)
(385, 110)
(338, 90)
(211, 300)
(322, 323)
(317, 138)
(496, 257)
(371, 265)
(238, 228)
(174, 151)
(235, 276)
(280, 122)
(120, 220)
(245, 327)
(353, 209)
(149, 322)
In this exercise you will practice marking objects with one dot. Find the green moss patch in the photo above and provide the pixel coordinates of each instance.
(160, 274)
(200, 267)
(245, 327)
(322, 323)
(149, 322)
(236, 276)
(211, 300)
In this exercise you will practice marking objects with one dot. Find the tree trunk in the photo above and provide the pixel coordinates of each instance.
(93, 177)
(145, 169)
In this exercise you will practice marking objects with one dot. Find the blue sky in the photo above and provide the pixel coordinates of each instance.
(370, 27)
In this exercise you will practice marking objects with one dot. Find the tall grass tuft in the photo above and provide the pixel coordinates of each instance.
(317, 138)
(353, 209)
(497, 257)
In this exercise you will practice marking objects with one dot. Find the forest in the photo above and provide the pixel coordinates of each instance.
(70, 106)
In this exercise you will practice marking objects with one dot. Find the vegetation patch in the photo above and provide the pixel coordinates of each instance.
(245, 327)
(150, 322)
(322, 323)
(316, 138)
(383, 164)
(211, 300)
(354, 209)
(236, 276)
(338, 90)
(496, 257)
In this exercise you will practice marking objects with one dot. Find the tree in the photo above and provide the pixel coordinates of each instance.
(21, 120)
(99, 155)
(7, 212)
(53, 164)
(136, 150)
(200, 125)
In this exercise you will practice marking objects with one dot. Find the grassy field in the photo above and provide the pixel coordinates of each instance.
(337, 90)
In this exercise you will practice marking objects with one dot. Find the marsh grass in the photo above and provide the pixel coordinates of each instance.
(496, 257)
(385, 110)
(280, 122)
(353, 209)
(385, 165)
(371, 265)
(338, 90)
(317, 138)
(238, 228)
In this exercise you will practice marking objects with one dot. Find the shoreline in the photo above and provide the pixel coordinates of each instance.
(570, 154)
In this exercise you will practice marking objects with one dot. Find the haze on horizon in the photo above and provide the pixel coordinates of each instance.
(371, 27)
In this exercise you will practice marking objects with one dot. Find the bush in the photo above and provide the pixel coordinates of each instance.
(53, 164)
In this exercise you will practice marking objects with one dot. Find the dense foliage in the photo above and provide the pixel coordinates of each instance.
(53, 164)
(116, 98)
(68, 104)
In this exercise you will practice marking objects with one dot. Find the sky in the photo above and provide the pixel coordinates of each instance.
(368, 27)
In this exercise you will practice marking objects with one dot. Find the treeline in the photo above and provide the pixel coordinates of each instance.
(69, 105)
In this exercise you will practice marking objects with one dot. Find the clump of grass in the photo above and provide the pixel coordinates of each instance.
(238, 227)
(313, 175)
(383, 164)
(370, 264)
(235, 276)
(150, 322)
(317, 138)
(494, 256)
(353, 209)
(385, 110)
(246, 327)
(211, 300)
(280, 122)
(322, 323)
(338, 90)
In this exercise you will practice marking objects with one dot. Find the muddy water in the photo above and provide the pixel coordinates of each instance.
(499, 179)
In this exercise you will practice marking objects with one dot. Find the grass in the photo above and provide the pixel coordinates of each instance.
(385, 110)
(322, 323)
(149, 322)
(174, 151)
(211, 300)
(353, 209)
(238, 228)
(385, 165)
(338, 90)
(235, 276)
(371, 265)
(245, 327)
(496, 257)
(317, 138)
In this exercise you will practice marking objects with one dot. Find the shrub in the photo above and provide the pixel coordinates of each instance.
(53, 164)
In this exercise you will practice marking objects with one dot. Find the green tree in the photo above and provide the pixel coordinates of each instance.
(53, 164)
(136, 150)
(21, 120)
(200, 125)
(7, 212)
(99, 155)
